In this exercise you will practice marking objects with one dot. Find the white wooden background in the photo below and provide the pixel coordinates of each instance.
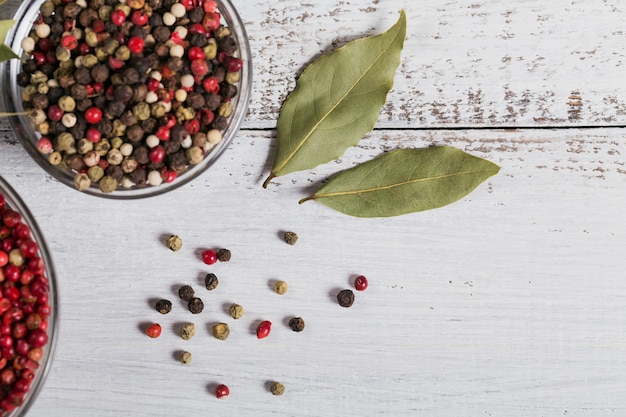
(511, 302)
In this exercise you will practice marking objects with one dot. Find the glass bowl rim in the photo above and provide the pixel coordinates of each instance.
(15, 202)
(23, 130)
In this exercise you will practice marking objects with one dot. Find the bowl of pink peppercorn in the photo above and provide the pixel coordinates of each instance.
(127, 98)
(28, 306)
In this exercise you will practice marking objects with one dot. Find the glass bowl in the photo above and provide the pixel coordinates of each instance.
(13, 202)
(28, 13)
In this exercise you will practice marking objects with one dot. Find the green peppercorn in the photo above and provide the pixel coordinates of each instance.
(107, 184)
(236, 311)
(185, 357)
(290, 238)
(82, 182)
(188, 331)
(220, 331)
(277, 388)
(280, 287)
(95, 173)
(174, 243)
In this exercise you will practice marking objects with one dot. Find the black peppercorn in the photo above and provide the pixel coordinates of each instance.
(82, 105)
(164, 306)
(186, 292)
(115, 172)
(223, 255)
(123, 93)
(211, 282)
(138, 176)
(296, 324)
(195, 15)
(134, 133)
(141, 155)
(99, 73)
(161, 34)
(195, 305)
(128, 118)
(82, 75)
(345, 298)
(195, 101)
(78, 91)
(40, 101)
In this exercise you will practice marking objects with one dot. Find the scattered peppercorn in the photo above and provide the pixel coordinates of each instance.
(174, 243)
(277, 388)
(263, 329)
(211, 281)
(280, 287)
(360, 283)
(223, 255)
(185, 357)
(345, 298)
(164, 306)
(186, 292)
(220, 331)
(235, 311)
(290, 238)
(195, 305)
(222, 391)
(296, 324)
(154, 330)
(209, 256)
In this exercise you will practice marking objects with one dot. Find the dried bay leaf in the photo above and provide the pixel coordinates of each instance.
(337, 100)
(405, 181)
(5, 52)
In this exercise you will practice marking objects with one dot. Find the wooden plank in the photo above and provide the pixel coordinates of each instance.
(509, 302)
(465, 63)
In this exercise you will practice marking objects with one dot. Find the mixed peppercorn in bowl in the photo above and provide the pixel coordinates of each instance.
(28, 306)
(127, 98)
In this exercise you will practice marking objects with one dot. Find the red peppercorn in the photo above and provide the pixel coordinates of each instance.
(192, 126)
(154, 330)
(189, 4)
(222, 391)
(45, 45)
(55, 113)
(114, 62)
(157, 154)
(37, 338)
(139, 18)
(163, 133)
(234, 64)
(118, 17)
(168, 175)
(93, 115)
(197, 28)
(153, 84)
(209, 6)
(93, 134)
(69, 41)
(263, 329)
(209, 256)
(199, 67)
(135, 44)
(211, 85)
(195, 52)
(97, 26)
(360, 283)
(44, 145)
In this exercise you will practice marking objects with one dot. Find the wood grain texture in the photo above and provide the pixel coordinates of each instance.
(508, 302)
